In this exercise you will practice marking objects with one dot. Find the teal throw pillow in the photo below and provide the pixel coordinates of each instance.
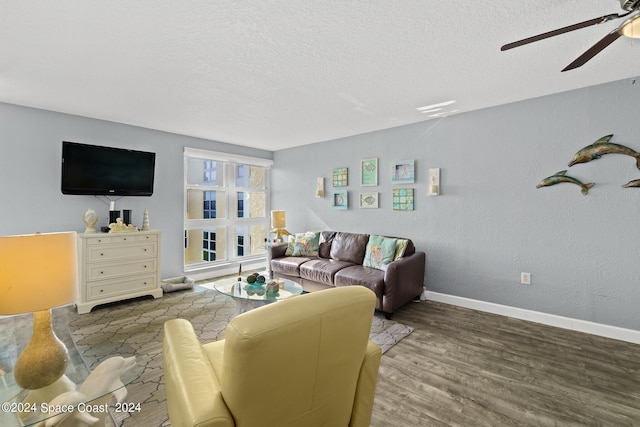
(303, 244)
(380, 252)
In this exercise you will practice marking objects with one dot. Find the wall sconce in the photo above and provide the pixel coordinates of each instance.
(320, 187)
(434, 181)
(278, 223)
(39, 272)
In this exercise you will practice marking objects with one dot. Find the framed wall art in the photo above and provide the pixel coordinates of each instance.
(339, 199)
(369, 172)
(403, 199)
(340, 177)
(368, 200)
(403, 172)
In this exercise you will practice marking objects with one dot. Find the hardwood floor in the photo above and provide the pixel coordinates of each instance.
(462, 367)
(467, 368)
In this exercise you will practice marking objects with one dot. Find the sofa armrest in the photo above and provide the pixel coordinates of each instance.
(276, 251)
(193, 390)
(273, 252)
(403, 281)
(366, 387)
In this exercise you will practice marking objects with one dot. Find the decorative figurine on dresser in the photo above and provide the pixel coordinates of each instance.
(114, 266)
(90, 218)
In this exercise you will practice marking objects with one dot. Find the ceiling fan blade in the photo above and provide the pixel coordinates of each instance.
(563, 30)
(594, 50)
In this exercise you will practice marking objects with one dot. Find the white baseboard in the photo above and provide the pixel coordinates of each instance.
(614, 332)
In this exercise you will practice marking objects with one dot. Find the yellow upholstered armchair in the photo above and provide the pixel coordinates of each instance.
(304, 361)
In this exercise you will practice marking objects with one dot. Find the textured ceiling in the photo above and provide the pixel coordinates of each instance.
(274, 74)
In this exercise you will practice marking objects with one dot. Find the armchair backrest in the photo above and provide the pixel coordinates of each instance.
(298, 362)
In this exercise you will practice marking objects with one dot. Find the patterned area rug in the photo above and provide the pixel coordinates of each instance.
(134, 328)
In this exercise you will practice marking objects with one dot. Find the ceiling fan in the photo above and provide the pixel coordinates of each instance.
(629, 28)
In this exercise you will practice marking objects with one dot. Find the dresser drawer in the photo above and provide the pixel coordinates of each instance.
(122, 251)
(99, 241)
(114, 238)
(107, 271)
(108, 288)
(147, 238)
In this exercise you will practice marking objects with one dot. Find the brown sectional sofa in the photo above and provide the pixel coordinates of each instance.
(339, 262)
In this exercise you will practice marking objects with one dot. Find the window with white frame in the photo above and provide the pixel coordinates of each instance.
(225, 209)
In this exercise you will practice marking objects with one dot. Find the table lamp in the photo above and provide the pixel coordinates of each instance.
(38, 272)
(278, 222)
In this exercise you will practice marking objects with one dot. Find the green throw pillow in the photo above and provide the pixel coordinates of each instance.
(291, 246)
(401, 247)
(380, 252)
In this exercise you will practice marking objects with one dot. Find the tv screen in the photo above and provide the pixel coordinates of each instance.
(106, 171)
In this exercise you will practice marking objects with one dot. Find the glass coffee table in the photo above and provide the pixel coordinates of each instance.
(249, 296)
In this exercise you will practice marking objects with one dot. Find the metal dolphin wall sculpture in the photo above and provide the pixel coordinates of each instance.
(632, 184)
(560, 177)
(602, 147)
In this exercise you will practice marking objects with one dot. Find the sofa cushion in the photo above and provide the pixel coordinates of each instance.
(410, 249)
(380, 252)
(324, 248)
(322, 270)
(288, 265)
(371, 278)
(349, 247)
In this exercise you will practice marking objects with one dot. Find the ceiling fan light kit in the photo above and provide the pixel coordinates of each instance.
(629, 28)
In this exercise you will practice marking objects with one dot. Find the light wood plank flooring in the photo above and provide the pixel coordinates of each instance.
(462, 367)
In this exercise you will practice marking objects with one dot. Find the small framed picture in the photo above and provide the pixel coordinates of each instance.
(340, 177)
(369, 200)
(403, 172)
(403, 199)
(339, 199)
(369, 172)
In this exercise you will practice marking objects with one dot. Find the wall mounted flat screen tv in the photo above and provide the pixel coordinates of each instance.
(106, 171)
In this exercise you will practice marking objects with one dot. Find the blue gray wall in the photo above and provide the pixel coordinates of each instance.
(490, 223)
(30, 196)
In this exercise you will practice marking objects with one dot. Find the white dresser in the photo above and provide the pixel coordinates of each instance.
(117, 266)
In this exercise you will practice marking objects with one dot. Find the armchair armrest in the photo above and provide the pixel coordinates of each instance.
(366, 388)
(192, 387)
(403, 281)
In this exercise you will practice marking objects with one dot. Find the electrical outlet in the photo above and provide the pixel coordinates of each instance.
(525, 278)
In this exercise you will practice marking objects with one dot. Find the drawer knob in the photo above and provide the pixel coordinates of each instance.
(101, 290)
(101, 254)
(102, 272)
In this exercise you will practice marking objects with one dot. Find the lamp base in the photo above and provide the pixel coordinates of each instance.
(44, 359)
(280, 232)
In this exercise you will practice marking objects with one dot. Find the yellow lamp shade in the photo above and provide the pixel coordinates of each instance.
(37, 271)
(278, 219)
